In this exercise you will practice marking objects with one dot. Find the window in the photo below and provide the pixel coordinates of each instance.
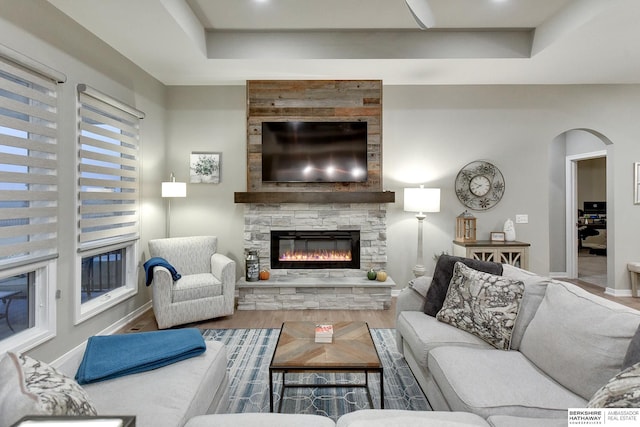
(108, 194)
(28, 200)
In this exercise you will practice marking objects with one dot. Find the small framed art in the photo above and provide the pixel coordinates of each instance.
(497, 236)
(205, 167)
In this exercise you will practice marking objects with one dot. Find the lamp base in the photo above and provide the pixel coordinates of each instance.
(419, 270)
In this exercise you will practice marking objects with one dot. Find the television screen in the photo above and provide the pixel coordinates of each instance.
(314, 151)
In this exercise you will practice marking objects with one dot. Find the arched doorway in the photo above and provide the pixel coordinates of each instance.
(568, 222)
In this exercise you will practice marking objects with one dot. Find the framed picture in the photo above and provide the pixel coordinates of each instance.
(497, 236)
(205, 167)
(636, 183)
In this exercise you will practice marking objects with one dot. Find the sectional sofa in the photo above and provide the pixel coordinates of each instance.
(565, 345)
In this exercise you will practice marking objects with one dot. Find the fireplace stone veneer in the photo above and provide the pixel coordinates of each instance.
(325, 288)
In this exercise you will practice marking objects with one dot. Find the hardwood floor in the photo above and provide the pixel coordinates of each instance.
(274, 318)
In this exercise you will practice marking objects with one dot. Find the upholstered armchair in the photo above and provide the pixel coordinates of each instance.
(206, 288)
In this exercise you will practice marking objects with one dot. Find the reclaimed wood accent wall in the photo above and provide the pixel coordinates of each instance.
(314, 100)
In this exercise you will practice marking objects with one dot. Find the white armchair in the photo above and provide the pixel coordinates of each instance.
(206, 288)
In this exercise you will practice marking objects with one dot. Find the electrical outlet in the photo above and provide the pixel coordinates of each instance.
(522, 219)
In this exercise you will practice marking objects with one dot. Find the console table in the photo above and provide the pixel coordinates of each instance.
(514, 253)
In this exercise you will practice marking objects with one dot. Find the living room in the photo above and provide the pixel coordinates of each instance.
(433, 124)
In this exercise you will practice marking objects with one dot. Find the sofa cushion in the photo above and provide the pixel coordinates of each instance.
(423, 333)
(584, 333)
(442, 276)
(260, 419)
(30, 387)
(483, 304)
(168, 396)
(622, 391)
(405, 418)
(535, 287)
(196, 286)
(511, 421)
(495, 382)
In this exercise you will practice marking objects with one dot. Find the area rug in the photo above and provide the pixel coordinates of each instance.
(250, 350)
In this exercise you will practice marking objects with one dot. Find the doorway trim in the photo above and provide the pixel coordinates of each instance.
(571, 176)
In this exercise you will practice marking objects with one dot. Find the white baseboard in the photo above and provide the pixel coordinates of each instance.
(618, 292)
(109, 330)
(559, 274)
(395, 292)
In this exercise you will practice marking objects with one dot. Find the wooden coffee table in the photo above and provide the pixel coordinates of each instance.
(352, 350)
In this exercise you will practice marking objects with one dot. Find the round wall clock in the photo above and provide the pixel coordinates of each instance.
(479, 185)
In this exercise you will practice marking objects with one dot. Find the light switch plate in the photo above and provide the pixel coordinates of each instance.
(522, 219)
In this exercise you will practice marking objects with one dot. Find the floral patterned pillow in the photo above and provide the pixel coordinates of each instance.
(57, 394)
(483, 304)
(622, 391)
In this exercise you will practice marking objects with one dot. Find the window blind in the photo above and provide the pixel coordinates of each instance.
(108, 182)
(28, 163)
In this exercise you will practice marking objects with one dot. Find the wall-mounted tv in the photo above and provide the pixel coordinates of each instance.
(314, 151)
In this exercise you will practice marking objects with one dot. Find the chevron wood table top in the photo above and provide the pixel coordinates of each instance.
(352, 347)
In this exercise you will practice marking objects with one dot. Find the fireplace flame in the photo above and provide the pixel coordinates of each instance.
(319, 255)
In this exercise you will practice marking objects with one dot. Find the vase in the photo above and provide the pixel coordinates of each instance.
(509, 231)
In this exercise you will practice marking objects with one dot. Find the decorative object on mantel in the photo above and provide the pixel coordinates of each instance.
(381, 276)
(172, 189)
(509, 230)
(371, 274)
(205, 167)
(465, 227)
(421, 200)
(479, 185)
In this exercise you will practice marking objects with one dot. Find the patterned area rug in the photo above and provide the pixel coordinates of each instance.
(250, 351)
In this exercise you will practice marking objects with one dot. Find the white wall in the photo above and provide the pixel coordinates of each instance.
(429, 133)
(41, 32)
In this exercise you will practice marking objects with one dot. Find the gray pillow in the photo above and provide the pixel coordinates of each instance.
(633, 351)
(442, 276)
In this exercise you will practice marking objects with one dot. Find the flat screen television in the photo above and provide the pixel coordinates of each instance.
(314, 151)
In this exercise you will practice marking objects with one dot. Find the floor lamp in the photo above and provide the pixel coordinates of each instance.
(421, 200)
(171, 189)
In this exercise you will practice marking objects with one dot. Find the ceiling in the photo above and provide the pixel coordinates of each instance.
(226, 42)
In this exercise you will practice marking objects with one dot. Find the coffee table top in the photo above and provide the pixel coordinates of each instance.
(352, 347)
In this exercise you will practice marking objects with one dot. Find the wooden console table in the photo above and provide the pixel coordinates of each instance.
(514, 253)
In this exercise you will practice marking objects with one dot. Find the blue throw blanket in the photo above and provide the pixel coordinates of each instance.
(156, 261)
(112, 356)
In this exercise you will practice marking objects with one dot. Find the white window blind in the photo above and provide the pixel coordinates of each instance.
(28, 161)
(108, 183)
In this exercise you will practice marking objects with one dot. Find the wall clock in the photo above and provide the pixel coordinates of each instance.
(479, 185)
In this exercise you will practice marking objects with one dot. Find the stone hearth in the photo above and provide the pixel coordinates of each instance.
(343, 293)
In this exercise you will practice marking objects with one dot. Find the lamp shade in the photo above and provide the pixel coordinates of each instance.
(422, 199)
(174, 189)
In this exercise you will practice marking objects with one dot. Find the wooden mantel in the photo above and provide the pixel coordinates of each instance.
(315, 197)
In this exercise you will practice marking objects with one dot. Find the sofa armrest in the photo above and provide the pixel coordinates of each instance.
(161, 286)
(412, 297)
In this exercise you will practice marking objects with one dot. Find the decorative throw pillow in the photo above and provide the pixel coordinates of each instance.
(622, 391)
(57, 394)
(15, 400)
(483, 304)
(442, 277)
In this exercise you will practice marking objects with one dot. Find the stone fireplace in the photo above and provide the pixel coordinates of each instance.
(363, 225)
(302, 209)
